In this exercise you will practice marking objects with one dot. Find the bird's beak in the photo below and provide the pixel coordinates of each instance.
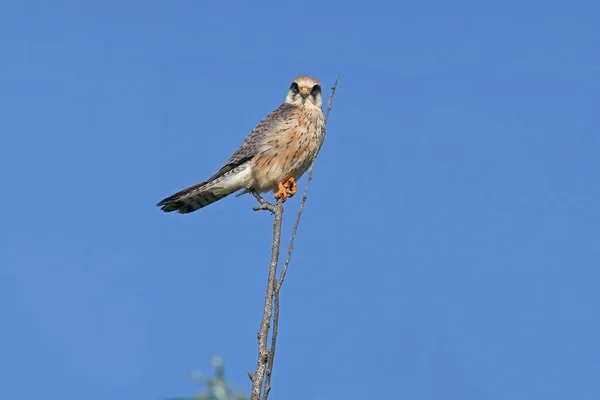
(304, 92)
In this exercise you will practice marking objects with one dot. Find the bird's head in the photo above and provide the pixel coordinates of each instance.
(305, 91)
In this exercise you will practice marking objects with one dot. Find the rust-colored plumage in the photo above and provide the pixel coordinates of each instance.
(277, 152)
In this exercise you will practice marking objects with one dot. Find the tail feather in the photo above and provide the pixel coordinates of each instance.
(193, 198)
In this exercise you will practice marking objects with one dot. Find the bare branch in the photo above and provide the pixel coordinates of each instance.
(264, 205)
(263, 334)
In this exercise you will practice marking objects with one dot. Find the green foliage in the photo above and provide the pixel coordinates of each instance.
(216, 387)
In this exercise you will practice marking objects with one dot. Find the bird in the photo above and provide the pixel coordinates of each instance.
(276, 153)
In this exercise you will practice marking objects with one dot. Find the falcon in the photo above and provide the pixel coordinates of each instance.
(273, 157)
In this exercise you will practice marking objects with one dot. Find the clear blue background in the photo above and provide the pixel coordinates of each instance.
(450, 246)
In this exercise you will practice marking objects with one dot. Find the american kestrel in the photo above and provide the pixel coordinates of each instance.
(274, 155)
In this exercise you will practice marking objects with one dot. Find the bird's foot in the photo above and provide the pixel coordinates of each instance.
(290, 187)
(281, 193)
(287, 189)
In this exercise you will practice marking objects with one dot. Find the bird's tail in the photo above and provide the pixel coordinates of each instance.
(194, 198)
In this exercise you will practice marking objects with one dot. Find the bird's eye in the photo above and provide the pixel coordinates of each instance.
(294, 88)
(315, 90)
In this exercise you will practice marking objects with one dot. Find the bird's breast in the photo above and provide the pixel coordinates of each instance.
(289, 149)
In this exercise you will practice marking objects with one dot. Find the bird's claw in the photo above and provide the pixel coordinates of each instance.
(287, 189)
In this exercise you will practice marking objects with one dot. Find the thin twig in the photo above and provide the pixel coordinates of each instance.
(279, 283)
(263, 352)
(271, 359)
(264, 205)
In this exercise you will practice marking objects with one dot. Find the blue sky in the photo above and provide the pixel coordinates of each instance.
(450, 243)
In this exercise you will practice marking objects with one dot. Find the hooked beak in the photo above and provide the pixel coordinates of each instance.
(304, 92)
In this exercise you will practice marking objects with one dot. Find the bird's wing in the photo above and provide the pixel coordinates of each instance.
(256, 138)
